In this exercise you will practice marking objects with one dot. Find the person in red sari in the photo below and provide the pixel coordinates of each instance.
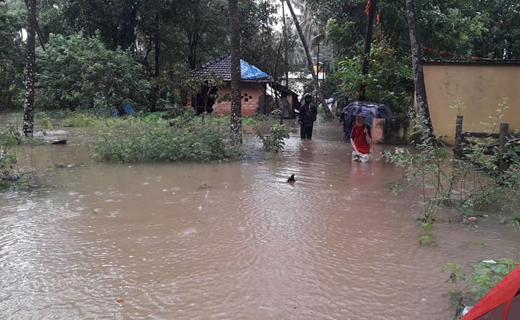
(361, 138)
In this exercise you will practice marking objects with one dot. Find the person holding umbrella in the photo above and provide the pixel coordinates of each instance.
(361, 138)
(308, 114)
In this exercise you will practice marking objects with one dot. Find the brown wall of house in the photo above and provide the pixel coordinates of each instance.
(251, 93)
(480, 87)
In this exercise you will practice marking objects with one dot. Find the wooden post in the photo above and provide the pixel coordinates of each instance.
(458, 137)
(504, 132)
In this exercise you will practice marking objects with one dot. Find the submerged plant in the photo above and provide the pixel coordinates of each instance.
(472, 184)
(485, 275)
(274, 141)
(8, 159)
(427, 240)
(45, 120)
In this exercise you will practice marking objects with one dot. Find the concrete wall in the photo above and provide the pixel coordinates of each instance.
(480, 86)
(251, 93)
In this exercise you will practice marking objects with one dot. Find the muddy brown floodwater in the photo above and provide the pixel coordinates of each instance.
(228, 241)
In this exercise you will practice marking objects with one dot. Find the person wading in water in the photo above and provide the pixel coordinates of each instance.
(308, 114)
(361, 138)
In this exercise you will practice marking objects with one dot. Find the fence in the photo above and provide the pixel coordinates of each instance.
(500, 147)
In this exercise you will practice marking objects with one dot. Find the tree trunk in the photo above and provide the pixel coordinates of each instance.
(420, 87)
(309, 60)
(157, 45)
(368, 43)
(38, 31)
(285, 48)
(318, 62)
(30, 70)
(236, 75)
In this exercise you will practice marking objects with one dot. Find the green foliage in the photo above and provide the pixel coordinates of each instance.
(82, 120)
(477, 180)
(455, 271)
(189, 139)
(45, 121)
(427, 171)
(389, 80)
(450, 26)
(487, 275)
(479, 243)
(12, 20)
(8, 160)
(458, 28)
(459, 105)
(258, 119)
(340, 32)
(10, 137)
(79, 72)
(261, 45)
(489, 185)
(274, 141)
(427, 226)
(500, 38)
(427, 240)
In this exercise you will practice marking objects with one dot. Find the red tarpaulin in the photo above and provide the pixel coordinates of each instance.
(501, 303)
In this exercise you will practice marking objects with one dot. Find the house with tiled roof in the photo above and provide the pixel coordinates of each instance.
(257, 90)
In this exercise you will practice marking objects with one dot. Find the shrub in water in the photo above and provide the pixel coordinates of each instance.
(274, 141)
(195, 139)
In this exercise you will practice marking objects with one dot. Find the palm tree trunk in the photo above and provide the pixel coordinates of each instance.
(309, 60)
(157, 45)
(420, 87)
(368, 43)
(30, 70)
(236, 76)
(285, 47)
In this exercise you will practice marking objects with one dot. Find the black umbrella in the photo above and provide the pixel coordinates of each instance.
(369, 109)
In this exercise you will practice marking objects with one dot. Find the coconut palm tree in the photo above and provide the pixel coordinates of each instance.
(236, 106)
(309, 60)
(30, 70)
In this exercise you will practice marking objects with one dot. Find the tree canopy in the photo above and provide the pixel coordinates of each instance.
(160, 40)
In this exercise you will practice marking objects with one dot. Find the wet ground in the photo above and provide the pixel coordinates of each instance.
(228, 241)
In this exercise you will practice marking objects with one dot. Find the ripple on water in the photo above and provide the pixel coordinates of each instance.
(334, 245)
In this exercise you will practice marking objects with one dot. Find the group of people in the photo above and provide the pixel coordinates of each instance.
(355, 129)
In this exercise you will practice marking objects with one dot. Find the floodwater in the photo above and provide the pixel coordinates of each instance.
(228, 241)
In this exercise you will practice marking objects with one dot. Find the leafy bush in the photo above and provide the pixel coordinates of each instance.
(92, 120)
(427, 240)
(81, 120)
(7, 158)
(193, 139)
(474, 183)
(274, 141)
(44, 120)
(79, 72)
(485, 275)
